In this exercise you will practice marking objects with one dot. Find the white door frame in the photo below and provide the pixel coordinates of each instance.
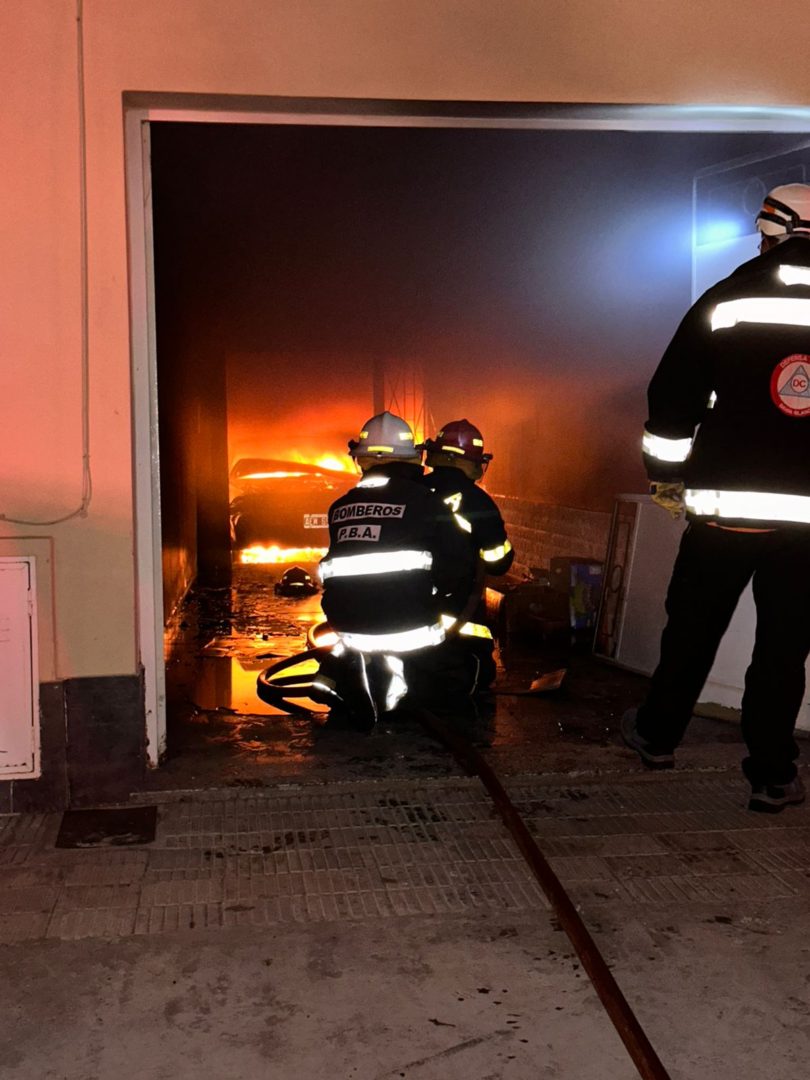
(140, 109)
(146, 471)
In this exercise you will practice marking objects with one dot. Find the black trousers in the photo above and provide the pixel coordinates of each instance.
(481, 654)
(441, 678)
(711, 571)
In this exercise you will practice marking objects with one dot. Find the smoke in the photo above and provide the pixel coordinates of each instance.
(293, 409)
(536, 278)
(560, 439)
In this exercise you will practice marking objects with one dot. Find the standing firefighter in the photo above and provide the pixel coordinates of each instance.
(395, 554)
(738, 370)
(458, 461)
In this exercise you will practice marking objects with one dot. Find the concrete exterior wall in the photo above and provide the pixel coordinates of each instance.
(624, 51)
(539, 532)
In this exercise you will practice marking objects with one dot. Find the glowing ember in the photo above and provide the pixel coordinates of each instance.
(258, 553)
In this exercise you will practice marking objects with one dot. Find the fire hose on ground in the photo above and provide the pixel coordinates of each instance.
(285, 691)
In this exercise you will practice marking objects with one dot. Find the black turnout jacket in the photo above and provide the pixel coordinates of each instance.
(395, 554)
(479, 519)
(729, 405)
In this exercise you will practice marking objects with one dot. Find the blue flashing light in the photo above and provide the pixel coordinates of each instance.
(718, 232)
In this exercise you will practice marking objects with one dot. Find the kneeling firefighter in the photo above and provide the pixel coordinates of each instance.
(458, 461)
(395, 556)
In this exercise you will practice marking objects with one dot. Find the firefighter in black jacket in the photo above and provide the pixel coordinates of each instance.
(738, 371)
(395, 554)
(458, 460)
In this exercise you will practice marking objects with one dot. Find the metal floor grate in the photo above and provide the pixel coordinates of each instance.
(386, 851)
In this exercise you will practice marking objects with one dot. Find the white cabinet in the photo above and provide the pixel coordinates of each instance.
(643, 544)
(19, 677)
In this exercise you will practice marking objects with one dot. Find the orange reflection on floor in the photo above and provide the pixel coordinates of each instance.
(259, 553)
(227, 684)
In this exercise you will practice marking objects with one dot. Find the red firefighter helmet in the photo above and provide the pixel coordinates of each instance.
(462, 439)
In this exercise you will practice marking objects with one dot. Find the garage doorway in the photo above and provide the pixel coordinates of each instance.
(608, 213)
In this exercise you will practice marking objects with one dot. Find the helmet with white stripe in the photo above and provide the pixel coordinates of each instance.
(785, 211)
(385, 437)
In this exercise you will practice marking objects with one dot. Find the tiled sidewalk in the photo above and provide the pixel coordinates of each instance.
(368, 851)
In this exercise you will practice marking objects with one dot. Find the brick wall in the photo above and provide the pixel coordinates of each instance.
(539, 531)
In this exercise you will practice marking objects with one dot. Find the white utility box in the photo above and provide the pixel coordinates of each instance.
(19, 676)
(643, 544)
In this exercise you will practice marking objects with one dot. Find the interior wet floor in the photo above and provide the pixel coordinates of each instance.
(221, 733)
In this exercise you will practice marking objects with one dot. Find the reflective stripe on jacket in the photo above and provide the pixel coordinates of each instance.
(729, 405)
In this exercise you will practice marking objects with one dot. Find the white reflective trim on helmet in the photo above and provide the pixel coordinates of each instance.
(421, 637)
(452, 449)
(386, 436)
(397, 687)
(748, 505)
(373, 481)
(378, 562)
(794, 275)
(495, 554)
(467, 629)
(670, 450)
(463, 523)
(777, 310)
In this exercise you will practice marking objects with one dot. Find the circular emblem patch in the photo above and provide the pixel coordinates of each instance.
(790, 385)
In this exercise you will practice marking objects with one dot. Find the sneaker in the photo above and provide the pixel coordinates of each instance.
(651, 756)
(772, 798)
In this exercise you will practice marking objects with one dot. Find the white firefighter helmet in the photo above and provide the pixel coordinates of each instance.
(786, 211)
(385, 437)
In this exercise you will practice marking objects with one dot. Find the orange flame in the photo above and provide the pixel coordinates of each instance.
(271, 475)
(259, 553)
(333, 462)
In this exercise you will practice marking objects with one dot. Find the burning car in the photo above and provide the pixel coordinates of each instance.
(279, 511)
